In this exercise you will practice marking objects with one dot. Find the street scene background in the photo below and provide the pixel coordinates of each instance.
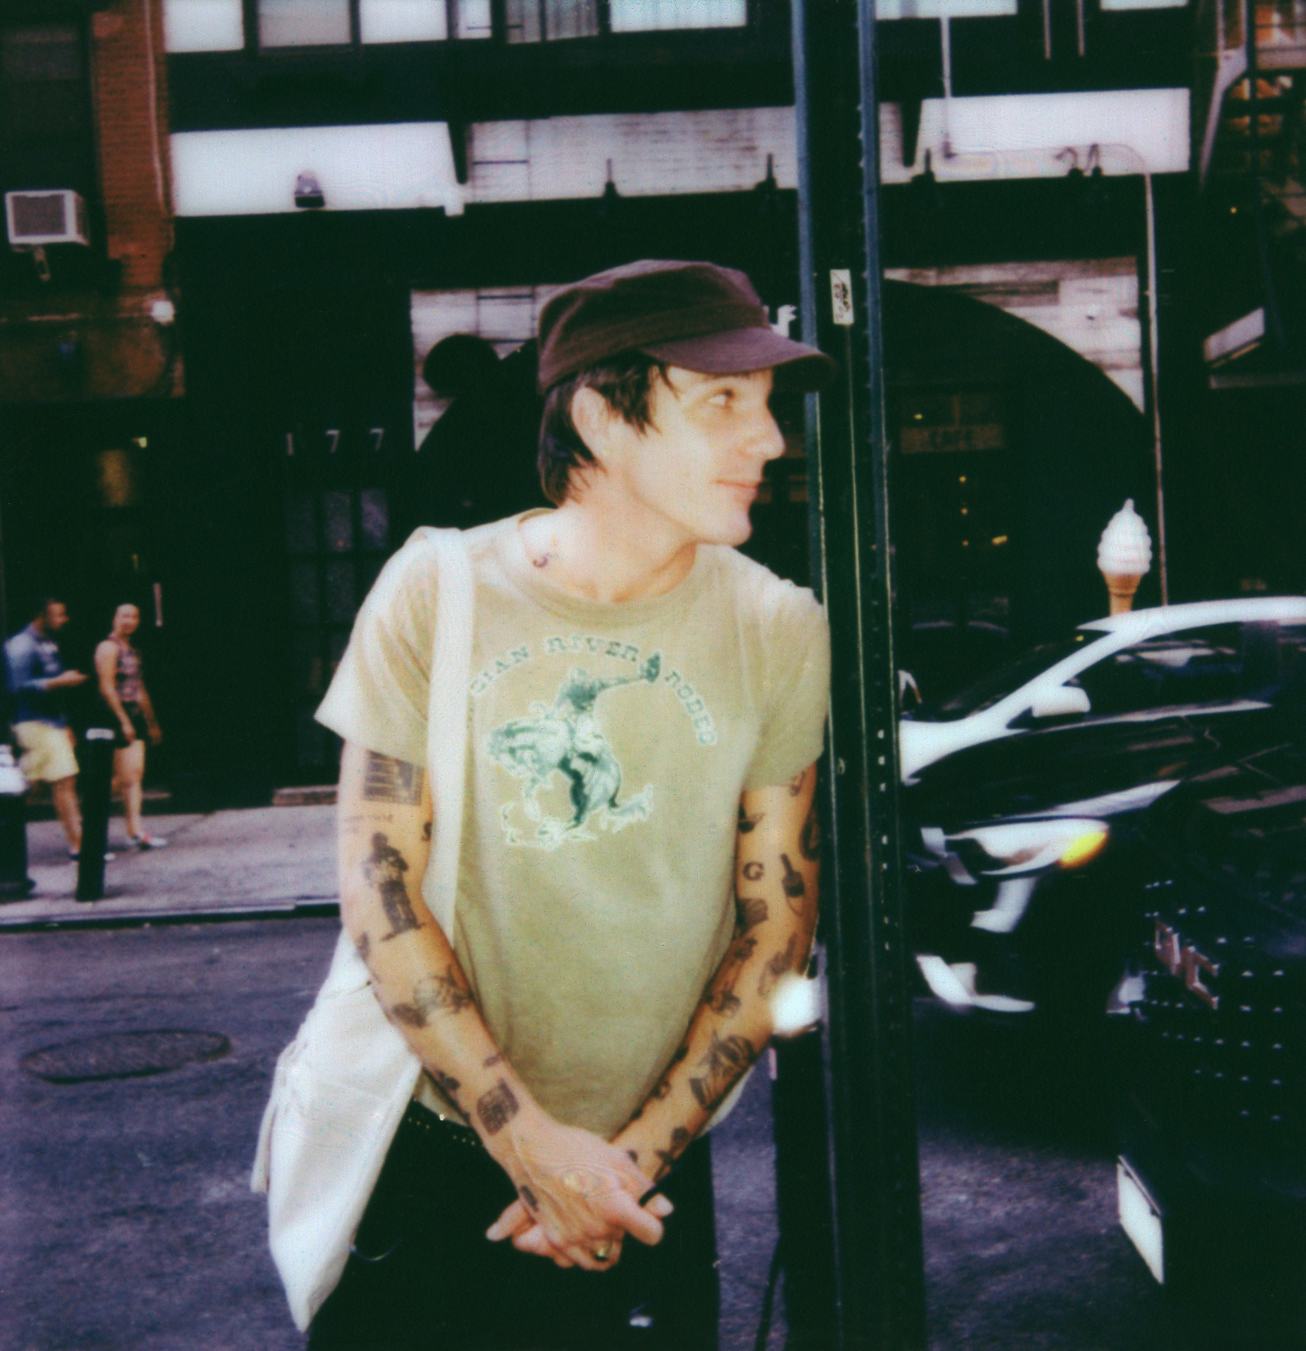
(128, 1219)
(238, 235)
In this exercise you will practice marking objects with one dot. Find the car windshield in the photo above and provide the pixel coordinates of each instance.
(996, 685)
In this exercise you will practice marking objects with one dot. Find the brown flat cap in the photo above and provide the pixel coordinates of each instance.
(697, 315)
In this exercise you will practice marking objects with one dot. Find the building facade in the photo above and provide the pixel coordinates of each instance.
(352, 180)
(91, 376)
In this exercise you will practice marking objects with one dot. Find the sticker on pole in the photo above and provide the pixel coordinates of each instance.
(841, 296)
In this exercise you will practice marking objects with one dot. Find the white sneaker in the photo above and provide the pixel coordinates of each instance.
(144, 842)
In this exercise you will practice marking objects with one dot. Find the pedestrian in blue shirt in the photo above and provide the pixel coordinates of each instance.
(36, 680)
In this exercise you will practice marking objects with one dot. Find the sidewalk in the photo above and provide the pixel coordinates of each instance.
(259, 861)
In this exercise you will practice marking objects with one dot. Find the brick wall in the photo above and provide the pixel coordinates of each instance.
(131, 113)
(99, 341)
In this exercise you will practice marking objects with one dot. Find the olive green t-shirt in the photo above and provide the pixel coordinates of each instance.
(608, 746)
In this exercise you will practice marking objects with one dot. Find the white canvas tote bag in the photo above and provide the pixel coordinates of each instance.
(342, 1086)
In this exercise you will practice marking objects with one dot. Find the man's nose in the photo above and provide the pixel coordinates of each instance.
(768, 441)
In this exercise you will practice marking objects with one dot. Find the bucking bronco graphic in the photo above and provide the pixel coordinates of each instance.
(566, 739)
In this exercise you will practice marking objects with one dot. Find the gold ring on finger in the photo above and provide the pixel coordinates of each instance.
(603, 1252)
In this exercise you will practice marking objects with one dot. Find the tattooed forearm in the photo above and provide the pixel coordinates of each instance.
(752, 912)
(663, 1086)
(753, 871)
(426, 831)
(389, 780)
(810, 840)
(496, 1108)
(679, 1142)
(447, 1085)
(727, 1058)
(777, 966)
(748, 823)
(434, 995)
(795, 888)
(720, 995)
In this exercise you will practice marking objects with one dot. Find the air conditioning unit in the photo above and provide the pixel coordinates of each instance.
(42, 216)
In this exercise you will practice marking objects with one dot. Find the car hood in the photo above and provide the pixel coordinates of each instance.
(1102, 768)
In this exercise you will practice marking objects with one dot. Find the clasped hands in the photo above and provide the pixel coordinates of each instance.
(577, 1196)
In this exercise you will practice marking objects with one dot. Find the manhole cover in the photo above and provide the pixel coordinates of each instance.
(124, 1055)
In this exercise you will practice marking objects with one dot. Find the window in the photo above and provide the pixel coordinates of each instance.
(403, 20)
(46, 138)
(1277, 663)
(328, 23)
(993, 687)
(304, 23)
(639, 16)
(1143, 4)
(1197, 666)
(940, 9)
(473, 19)
(549, 20)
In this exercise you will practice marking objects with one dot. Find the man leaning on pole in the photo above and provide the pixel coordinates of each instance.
(636, 868)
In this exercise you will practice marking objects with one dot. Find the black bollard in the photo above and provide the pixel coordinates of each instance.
(14, 881)
(802, 1189)
(95, 772)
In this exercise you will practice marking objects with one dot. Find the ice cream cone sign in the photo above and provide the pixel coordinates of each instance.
(1124, 557)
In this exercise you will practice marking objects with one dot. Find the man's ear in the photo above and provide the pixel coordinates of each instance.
(593, 417)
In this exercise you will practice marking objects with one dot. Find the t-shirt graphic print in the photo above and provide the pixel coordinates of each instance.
(562, 749)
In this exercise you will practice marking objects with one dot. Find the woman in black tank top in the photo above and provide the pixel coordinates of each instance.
(122, 687)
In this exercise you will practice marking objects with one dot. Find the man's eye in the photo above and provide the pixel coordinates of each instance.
(723, 398)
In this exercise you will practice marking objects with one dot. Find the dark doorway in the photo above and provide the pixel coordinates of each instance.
(1011, 453)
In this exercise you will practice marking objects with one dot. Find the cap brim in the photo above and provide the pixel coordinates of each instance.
(738, 351)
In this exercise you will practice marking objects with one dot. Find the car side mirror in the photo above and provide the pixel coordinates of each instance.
(1063, 702)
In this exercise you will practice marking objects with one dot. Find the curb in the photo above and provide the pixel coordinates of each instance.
(140, 919)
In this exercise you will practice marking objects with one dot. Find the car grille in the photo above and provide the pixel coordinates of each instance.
(1220, 1027)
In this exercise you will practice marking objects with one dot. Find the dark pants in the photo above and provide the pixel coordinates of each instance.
(423, 1275)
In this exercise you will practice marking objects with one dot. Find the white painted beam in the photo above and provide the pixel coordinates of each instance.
(369, 168)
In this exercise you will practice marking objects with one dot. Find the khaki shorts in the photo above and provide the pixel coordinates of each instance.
(47, 751)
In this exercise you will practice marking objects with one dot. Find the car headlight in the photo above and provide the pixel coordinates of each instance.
(1019, 847)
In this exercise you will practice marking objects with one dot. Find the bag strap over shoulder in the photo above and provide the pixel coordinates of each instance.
(446, 736)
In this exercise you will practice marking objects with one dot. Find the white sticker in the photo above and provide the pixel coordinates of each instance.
(841, 296)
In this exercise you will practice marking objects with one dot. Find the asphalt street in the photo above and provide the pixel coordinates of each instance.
(128, 1222)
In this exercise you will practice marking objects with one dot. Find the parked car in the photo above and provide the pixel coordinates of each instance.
(1212, 1169)
(1013, 843)
(1212, 652)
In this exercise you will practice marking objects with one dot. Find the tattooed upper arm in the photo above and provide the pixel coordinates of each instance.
(777, 850)
(386, 779)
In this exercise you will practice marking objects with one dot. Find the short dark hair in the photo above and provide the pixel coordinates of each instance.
(458, 363)
(626, 385)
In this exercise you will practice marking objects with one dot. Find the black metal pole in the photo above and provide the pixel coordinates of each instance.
(879, 1281)
(15, 885)
(804, 1207)
(95, 772)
